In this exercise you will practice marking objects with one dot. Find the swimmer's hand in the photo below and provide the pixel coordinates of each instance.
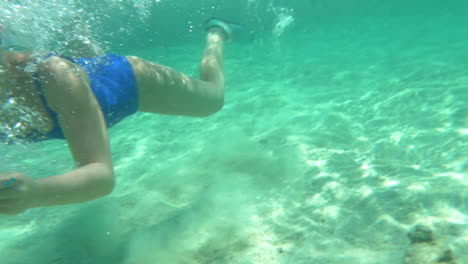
(17, 193)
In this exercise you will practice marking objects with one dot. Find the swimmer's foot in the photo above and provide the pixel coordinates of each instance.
(232, 31)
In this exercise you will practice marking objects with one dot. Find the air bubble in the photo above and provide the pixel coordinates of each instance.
(31, 67)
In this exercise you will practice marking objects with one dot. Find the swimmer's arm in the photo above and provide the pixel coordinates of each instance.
(83, 184)
(84, 127)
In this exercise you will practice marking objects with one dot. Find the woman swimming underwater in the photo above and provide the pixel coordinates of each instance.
(77, 99)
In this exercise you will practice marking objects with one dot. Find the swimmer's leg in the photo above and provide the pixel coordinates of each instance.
(165, 91)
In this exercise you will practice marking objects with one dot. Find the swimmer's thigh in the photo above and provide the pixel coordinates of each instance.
(163, 90)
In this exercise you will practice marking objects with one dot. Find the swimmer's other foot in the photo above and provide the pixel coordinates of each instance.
(232, 31)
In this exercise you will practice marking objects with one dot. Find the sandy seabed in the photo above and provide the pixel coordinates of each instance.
(336, 146)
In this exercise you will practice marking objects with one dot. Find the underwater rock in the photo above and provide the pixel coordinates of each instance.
(428, 253)
(425, 250)
(420, 234)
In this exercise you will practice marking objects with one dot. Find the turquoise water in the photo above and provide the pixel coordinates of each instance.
(345, 125)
